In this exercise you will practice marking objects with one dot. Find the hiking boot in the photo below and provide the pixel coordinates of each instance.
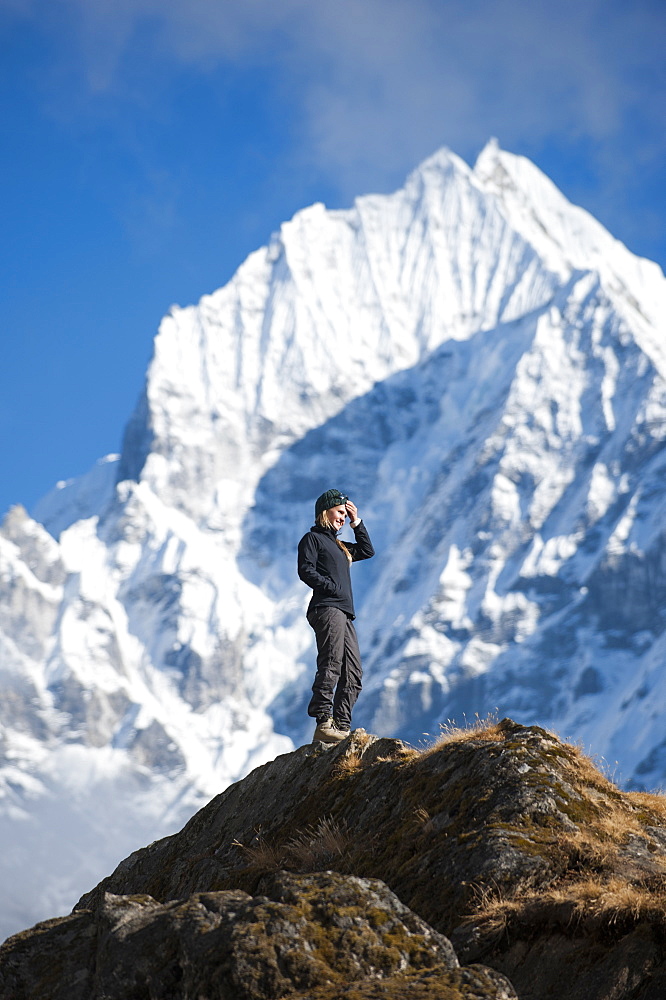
(328, 732)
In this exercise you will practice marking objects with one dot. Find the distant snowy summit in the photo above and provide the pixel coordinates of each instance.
(497, 412)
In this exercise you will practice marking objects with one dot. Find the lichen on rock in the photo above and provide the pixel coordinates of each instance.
(298, 934)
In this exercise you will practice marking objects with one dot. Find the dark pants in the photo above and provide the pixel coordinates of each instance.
(338, 681)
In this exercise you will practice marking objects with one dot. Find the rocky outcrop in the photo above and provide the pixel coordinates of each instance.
(503, 838)
(298, 933)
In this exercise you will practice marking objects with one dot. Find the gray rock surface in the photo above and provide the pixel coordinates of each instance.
(300, 933)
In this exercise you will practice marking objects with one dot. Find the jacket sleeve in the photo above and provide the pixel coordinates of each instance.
(308, 552)
(362, 547)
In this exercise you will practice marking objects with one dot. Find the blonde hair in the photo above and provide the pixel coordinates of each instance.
(323, 522)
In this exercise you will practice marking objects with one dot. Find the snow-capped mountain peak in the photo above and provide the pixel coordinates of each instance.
(480, 365)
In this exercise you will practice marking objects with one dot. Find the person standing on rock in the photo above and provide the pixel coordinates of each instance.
(323, 564)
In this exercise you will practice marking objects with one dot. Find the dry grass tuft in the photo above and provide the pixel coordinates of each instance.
(314, 849)
(587, 770)
(262, 856)
(615, 901)
(420, 823)
(478, 729)
(422, 816)
(347, 764)
(651, 803)
(589, 905)
(585, 852)
(317, 847)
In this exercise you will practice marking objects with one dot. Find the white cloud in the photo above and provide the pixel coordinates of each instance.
(373, 86)
(539, 61)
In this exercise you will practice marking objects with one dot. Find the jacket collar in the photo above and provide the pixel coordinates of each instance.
(324, 531)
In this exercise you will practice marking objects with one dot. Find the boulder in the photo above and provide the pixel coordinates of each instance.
(300, 935)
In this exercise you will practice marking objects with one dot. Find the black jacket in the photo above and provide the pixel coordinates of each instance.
(323, 566)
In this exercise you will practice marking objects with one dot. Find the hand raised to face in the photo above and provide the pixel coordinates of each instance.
(352, 511)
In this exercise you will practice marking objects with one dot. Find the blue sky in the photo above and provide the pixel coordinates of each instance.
(150, 145)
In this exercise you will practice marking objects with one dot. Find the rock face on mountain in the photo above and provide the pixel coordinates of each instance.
(496, 409)
(498, 845)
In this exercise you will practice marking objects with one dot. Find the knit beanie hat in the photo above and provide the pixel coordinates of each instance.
(331, 498)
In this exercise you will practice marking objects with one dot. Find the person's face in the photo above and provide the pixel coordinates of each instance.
(337, 515)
